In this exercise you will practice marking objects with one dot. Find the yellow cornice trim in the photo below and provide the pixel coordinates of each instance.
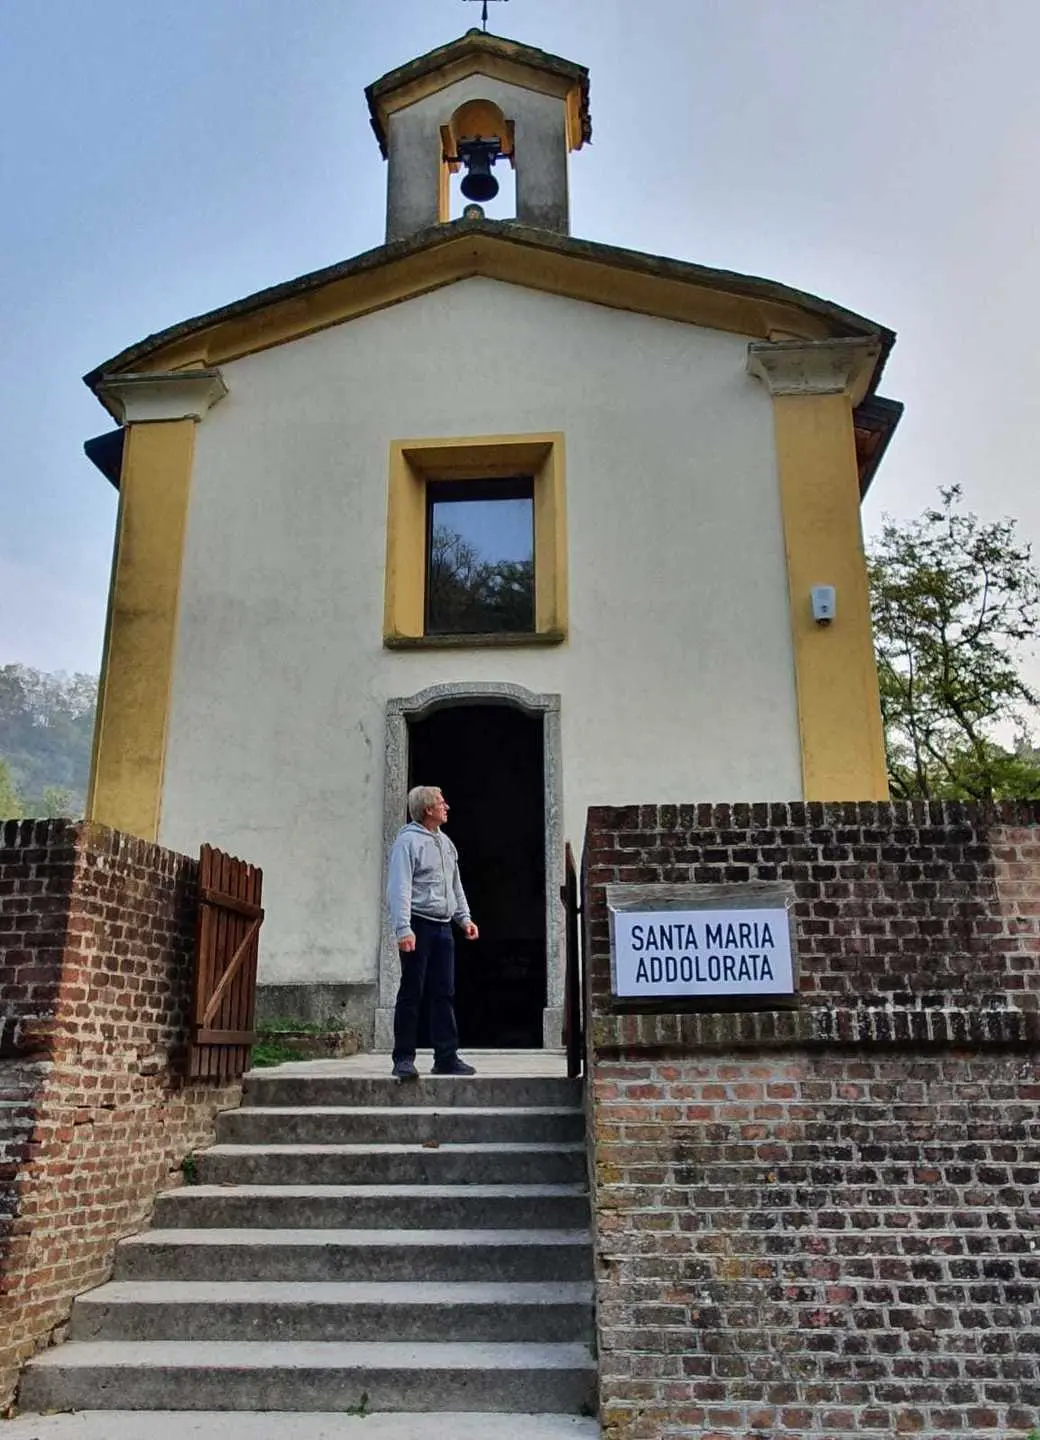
(843, 366)
(137, 668)
(173, 395)
(566, 273)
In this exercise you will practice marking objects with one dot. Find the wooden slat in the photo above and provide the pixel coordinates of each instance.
(236, 1018)
(246, 930)
(219, 941)
(231, 902)
(196, 988)
(220, 861)
(209, 965)
(226, 1038)
(203, 959)
(247, 1007)
(227, 948)
(227, 938)
(206, 1054)
(236, 953)
(254, 967)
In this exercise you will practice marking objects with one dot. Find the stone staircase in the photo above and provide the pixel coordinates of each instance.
(356, 1246)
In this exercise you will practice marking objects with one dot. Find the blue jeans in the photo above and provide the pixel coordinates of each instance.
(430, 966)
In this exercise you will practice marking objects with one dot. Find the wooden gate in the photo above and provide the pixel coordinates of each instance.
(573, 1000)
(226, 943)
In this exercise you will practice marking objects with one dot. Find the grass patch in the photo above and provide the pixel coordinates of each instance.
(275, 1046)
(272, 1051)
(361, 1408)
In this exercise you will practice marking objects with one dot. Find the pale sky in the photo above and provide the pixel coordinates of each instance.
(162, 157)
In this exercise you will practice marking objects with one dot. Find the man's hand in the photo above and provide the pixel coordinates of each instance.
(406, 943)
(470, 931)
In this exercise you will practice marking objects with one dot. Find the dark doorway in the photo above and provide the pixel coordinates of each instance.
(489, 762)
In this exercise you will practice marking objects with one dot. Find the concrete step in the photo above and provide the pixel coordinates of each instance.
(282, 1087)
(321, 1255)
(373, 1207)
(488, 1164)
(256, 1425)
(399, 1125)
(287, 1376)
(398, 1311)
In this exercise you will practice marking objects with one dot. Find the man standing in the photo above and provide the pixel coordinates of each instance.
(425, 895)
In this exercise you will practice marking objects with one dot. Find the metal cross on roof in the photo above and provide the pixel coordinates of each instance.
(484, 12)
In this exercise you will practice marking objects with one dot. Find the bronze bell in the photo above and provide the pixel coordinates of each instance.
(478, 156)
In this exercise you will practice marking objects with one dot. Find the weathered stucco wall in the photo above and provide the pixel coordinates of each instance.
(677, 673)
(822, 1224)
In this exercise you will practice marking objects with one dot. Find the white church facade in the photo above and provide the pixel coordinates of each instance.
(544, 522)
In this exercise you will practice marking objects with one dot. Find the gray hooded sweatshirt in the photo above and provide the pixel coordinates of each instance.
(423, 879)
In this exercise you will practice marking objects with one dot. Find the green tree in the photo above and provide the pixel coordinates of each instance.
(46, 732)
(471, 595)
(59, 804)
(954, 601)
(11, 807)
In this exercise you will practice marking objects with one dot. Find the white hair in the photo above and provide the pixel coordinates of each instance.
(421, 799)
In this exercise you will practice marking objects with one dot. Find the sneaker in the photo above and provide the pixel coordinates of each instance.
(453, 1067)
(405, 1070)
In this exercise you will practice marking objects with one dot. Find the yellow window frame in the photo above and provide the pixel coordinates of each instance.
(413, 464)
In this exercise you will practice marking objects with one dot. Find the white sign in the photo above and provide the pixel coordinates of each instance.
(701, 953)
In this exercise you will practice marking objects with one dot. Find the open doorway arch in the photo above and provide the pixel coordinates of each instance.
(412, 710)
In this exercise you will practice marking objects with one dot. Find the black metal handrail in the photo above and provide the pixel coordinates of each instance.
(573, 1009)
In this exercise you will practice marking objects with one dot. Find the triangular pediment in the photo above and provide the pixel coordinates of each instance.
(498, 250)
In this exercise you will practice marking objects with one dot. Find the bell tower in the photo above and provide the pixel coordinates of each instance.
(474, 106)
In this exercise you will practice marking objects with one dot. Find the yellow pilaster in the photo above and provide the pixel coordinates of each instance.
(137, 667)
(814, 387)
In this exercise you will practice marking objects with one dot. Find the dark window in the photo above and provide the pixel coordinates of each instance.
(479, 556)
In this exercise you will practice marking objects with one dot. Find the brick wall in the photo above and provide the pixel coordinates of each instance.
(96, 934)
(825, 1223)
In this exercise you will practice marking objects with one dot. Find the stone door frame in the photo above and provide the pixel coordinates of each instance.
(413, 708)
